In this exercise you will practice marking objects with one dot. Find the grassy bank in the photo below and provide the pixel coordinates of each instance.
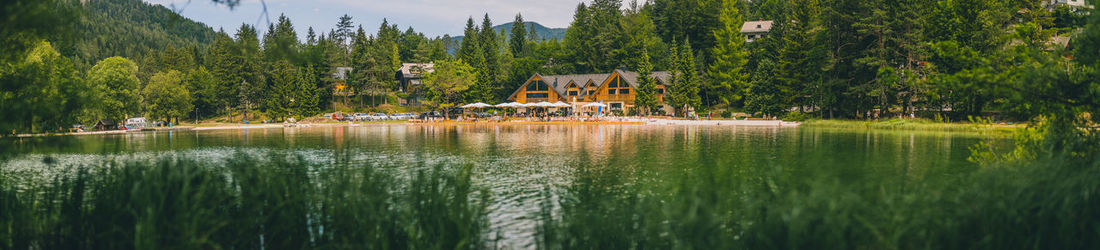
(1047, 201)
(913, 124)
(278, 202)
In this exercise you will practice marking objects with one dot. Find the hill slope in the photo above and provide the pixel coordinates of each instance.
(132, 29)
(543, 32)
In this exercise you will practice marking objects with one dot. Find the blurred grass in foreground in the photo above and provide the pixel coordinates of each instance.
(1041, 196)
(281, 203)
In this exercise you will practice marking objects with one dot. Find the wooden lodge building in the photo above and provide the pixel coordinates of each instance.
(616, 89)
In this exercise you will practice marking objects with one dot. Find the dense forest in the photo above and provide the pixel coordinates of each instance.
(942, 59)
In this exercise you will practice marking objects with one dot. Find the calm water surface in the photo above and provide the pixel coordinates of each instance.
(519, 163)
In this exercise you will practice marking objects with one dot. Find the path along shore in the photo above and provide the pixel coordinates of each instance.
(618, 121)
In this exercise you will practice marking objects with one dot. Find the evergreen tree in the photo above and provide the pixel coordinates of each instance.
(519, 36)
(306, 95)
(204, 88)
(283, 79)
(470, 50)
(726, 71)
(646, 98)
(250, 89)
(687, 90)
(281, 43)
(225, 66)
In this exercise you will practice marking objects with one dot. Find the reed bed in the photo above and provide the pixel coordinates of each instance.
(279, 202)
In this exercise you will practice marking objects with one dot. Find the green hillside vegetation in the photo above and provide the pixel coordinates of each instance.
(133, 29)
(831, 59)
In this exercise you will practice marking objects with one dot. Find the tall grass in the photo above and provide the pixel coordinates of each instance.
(912, 124)
(279, 202)
(1047, 201)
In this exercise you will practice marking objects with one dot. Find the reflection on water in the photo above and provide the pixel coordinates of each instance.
(517, 163)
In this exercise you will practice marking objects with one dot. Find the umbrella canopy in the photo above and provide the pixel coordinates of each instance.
(561, 104)
(505, 105)
(595, 104)
(477, 105)
(544, 104)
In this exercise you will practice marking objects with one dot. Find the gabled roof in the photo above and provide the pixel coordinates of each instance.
(559, 83)
(757, 26)
(631, 77)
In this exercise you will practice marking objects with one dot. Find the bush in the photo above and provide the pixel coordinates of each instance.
(795, 116)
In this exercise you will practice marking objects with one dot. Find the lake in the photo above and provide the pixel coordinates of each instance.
(540, 184)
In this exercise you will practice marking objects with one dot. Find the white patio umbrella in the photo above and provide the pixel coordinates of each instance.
(595, 105)
(505, 105)
(477, 105)
(544, 104)
(560, 104)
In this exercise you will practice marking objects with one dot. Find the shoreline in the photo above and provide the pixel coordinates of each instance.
(900, 125)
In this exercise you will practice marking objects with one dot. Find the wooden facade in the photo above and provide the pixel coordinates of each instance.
(616, 89)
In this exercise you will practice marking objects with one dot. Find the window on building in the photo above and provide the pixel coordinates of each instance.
(537, 85)
(572, 93)
(617, 105)
(591, 92)
(538, 95)
(611, 91)
(660, 91)
(624, 91)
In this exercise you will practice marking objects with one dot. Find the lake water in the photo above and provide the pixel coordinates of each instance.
(523, 166)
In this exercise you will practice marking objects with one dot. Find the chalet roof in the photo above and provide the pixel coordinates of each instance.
(415, 70)
(341, 73)
(757, 26)
(559, 82)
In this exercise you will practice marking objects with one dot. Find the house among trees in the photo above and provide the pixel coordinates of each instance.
(756, 29)
(1071, 3)
(616, 89)
(410, 74)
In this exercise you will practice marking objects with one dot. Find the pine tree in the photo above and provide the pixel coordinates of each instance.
(646, 98)
(482, 91)
(688, 88)
(282, 78)
(519, 36)
(726, 72)
(470, 49)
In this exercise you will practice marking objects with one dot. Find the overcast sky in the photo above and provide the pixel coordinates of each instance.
(431, 17)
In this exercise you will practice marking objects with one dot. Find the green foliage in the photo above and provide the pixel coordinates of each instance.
(276, 201)
(645, 100)
(448, 84)
(204, 91)
(44, 92)
(134, 29)
(518, 39)
(281, 42)
(117, 78)
(726, 73)
(683, 90)
(283, 80)
(167, 96)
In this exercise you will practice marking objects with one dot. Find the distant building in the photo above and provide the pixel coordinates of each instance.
(411, 74)
(757, 29)
(616, 89)
(1071, 3)
(341, 74)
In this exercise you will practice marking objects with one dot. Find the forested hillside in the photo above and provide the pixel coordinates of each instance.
(942, 60)
(133, 29)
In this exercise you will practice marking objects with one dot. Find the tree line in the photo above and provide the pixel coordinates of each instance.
(828, 58)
